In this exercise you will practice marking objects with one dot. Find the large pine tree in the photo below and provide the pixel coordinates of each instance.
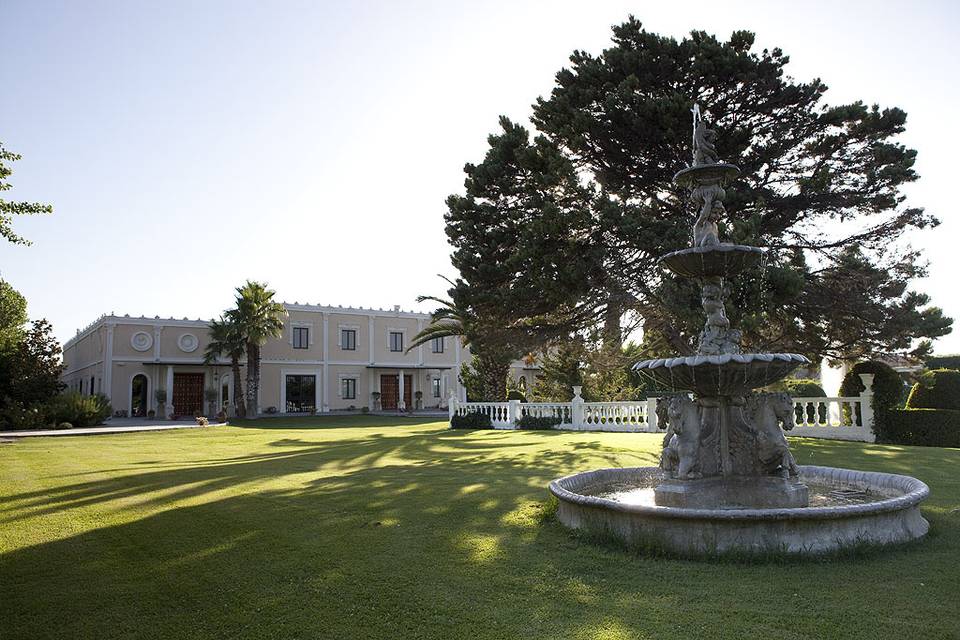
(563, 231)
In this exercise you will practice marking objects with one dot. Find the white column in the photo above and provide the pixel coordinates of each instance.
(452, 405)
(401, 405)
(320, 393)
(513, 412)
(576, 408)
(108, 364)
(652, 424)
(370, 329)
(325, 395)
(420, 348)
(169, 409)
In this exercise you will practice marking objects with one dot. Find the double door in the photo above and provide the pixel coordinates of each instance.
(390, 391)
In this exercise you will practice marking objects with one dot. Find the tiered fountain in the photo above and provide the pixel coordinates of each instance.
(727, 480)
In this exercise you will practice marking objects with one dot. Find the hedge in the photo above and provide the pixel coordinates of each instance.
(939, 389)
(472, 420)
(925, 427)
(943, 362)
(887, 392)
(537, 423)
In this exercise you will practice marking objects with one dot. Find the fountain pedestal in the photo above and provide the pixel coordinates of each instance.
(732, 492)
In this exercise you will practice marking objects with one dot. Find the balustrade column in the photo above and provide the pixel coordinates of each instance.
(652, 421)
(576, 409)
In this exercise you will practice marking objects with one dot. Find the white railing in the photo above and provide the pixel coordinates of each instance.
(637, 415)
(841, 418)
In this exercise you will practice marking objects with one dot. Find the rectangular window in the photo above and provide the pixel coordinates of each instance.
(349, 391)
(348, 339)
(436, 387)
(437, 345)
(301, 337)
(396, 341)
(301, 394)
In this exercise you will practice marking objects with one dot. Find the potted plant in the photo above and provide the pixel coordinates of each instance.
(151, 413)
(375, 396)
(418, 400)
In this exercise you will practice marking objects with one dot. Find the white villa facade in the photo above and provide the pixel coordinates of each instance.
(329, 358)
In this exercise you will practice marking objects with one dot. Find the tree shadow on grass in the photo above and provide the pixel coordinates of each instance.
(338, 421)
(425, 534)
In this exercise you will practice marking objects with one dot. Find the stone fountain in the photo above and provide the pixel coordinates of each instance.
(727, 480)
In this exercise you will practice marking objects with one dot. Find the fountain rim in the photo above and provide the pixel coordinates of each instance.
(722, 359)
(915, 491)
(713, 172)
(722, 247)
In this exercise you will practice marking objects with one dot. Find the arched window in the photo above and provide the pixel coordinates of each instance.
(138, 395)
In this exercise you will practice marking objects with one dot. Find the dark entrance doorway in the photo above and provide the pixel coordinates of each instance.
(390, 391)
(301, 394)
(188, 394)
(138, 396)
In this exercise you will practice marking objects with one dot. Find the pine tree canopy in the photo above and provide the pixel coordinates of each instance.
(561, 231)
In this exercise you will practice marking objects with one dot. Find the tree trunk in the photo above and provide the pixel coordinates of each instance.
(253, 377)
(239, 409)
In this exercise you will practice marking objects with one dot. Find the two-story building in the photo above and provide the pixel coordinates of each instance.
(329, 358)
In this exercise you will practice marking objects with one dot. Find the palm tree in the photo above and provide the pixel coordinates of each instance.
(258, 318)
(449, 320)
(493, 351)
(226, 339)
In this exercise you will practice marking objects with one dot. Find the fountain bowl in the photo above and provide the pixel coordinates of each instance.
(891, 516)
(711, 261)
(719, 172)
(729, 374)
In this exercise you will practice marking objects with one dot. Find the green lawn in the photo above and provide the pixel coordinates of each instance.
(377, 528)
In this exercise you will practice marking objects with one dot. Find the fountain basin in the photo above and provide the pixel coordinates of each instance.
(891, 514)
(719, 172)
(718, 260)
(729, 374)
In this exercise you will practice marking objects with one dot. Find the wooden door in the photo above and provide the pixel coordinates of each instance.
(389, 392)
(187, 393)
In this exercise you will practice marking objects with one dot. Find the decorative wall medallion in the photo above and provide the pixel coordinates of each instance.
(188, 342)
(141, 341)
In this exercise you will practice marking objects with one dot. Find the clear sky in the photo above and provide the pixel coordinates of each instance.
(188, 146)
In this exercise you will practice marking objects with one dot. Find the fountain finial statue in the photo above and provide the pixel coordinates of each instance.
(704, 148)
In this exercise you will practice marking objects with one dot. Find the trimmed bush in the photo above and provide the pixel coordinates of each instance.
(78, 410)
(472, 420)
(514, 394)
(938, 389)
(888, 393)
(800, 388)
(943, 362)
(537, 423)
(924, 427)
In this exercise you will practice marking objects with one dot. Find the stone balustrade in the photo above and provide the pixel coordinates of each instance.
(839, 418)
